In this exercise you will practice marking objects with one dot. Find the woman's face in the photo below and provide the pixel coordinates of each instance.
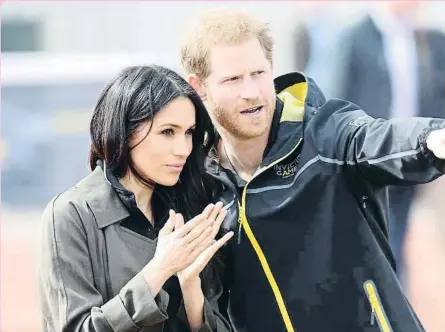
(161, 156)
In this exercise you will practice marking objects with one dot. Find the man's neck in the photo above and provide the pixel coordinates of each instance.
(242, 156)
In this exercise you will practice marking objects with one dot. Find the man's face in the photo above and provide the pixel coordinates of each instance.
(402, 9)
(239, 92)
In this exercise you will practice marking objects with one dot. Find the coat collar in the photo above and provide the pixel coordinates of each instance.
(102, 198)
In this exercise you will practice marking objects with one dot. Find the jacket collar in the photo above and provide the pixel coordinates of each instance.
(102, 198)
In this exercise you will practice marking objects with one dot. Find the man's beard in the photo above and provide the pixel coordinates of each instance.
(229, 120)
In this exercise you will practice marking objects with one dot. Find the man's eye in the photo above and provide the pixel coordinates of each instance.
(232, 79)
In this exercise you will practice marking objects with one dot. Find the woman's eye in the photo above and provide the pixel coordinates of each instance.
(168, 132)
(190, 132)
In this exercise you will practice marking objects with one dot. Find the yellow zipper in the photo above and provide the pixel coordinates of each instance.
(377, 311)
(243, 223)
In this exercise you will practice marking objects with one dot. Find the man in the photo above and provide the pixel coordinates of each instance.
(304, 182)
(317, 41)
(391, 68)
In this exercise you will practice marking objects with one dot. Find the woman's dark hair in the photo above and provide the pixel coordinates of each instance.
(134, 96)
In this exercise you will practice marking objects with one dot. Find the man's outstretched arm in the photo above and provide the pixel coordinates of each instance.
(399, 151)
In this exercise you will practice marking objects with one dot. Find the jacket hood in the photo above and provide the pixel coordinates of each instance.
(298, 96)
(297, 91)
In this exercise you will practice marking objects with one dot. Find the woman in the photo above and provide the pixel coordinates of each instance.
(114, 251)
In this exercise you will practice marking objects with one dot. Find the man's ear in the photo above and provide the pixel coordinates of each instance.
(198, 85)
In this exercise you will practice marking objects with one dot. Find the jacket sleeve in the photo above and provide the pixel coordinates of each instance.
(69, 300)
(215, 318)
(385, 152)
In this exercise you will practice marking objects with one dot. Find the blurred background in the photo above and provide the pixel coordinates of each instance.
(388, 57)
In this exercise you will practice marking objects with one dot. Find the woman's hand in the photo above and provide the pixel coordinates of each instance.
(190, 274)
(178, 247)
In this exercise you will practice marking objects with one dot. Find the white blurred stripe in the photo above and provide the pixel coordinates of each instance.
(41, 68)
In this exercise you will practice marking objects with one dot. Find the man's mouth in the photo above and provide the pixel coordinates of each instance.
(252, 110)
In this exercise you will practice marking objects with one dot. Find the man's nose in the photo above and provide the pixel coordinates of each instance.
(250, 89)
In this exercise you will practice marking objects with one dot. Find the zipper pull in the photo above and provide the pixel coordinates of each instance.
(238, 240)
(372, 316)
(365, 199)
(240, 221)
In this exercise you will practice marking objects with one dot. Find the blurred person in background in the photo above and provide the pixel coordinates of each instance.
(424, 250)
(392, 68)
(114, 251)
(317, 39)
(302, 181)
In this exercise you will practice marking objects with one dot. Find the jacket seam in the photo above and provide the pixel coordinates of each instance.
(391, 156)
(333, 161)
(93, 219)
(59, 270)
